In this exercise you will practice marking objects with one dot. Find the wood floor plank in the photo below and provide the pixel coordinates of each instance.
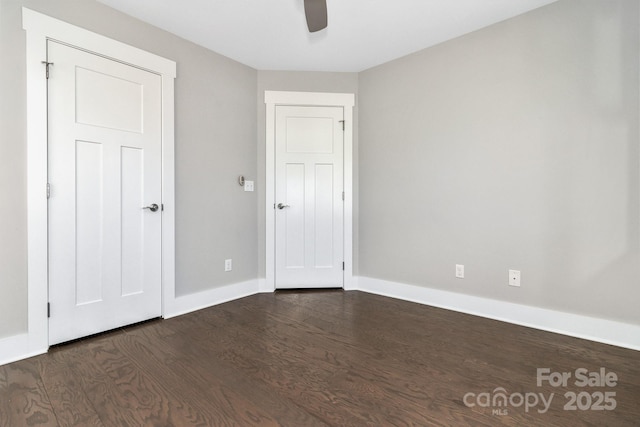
(23, 398)
(312, 358)
(68, 400)
(197, 366)
(107, 398)
(143, 395)
(278, 376)
(380, 374)
(389, 395)
(228, 394)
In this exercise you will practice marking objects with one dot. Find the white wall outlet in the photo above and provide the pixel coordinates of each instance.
(228, 265)
(460, 271)
(248, 186)
(514, 277)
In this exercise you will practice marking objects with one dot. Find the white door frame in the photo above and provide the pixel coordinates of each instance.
(40, 28)
(316, 99)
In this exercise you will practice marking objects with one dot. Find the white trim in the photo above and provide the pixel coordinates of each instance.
(590, 328)
(354, 285)
(13, 349)
(197, 301)
(273, 98)
(50, 28)
(40, 28)
(168, 197)
(37, 292)
(262, 286)
(347, 102)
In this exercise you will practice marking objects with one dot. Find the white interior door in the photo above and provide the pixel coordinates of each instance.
(309, 197)
(104, 167)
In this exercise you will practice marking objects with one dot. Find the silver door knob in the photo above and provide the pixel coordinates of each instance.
(152, 207)
(281, 206)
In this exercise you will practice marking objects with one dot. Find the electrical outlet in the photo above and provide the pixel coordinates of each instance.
(514, 277)
(460, 271)
(228, 265)
(248, 186)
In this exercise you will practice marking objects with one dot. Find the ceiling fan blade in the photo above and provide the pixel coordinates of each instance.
(316, 13)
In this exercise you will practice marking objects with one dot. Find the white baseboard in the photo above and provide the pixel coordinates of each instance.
(352, 285)
(600, 330)
(17, 347)
(199, 300)
(263, 287)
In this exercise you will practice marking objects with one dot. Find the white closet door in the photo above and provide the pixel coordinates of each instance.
(309, 197)
(104, 168)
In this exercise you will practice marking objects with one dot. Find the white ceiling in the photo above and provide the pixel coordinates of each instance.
(272, 34)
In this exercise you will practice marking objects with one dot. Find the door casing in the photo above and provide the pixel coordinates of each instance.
(39, 28)
(319, 99)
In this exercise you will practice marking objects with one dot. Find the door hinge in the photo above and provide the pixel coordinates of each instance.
(342, 265)
(343, 196)
(342, 121)
(48, 190)
(47, 65)
(48, 310)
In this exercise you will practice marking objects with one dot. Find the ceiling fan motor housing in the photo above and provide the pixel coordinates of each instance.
(316, 14)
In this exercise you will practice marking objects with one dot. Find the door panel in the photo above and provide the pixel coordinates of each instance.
(132, 197)
(324, 218)
(294, 220)
(310, 134)
(309, 182)
(104, 167)
(89, 222)
(121, 101)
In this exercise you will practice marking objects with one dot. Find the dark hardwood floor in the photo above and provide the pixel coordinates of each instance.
(319, 358)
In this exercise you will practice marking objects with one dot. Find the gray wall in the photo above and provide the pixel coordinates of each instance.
(215, 142)
(13, 178)
(514, 147)
(302, 81)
